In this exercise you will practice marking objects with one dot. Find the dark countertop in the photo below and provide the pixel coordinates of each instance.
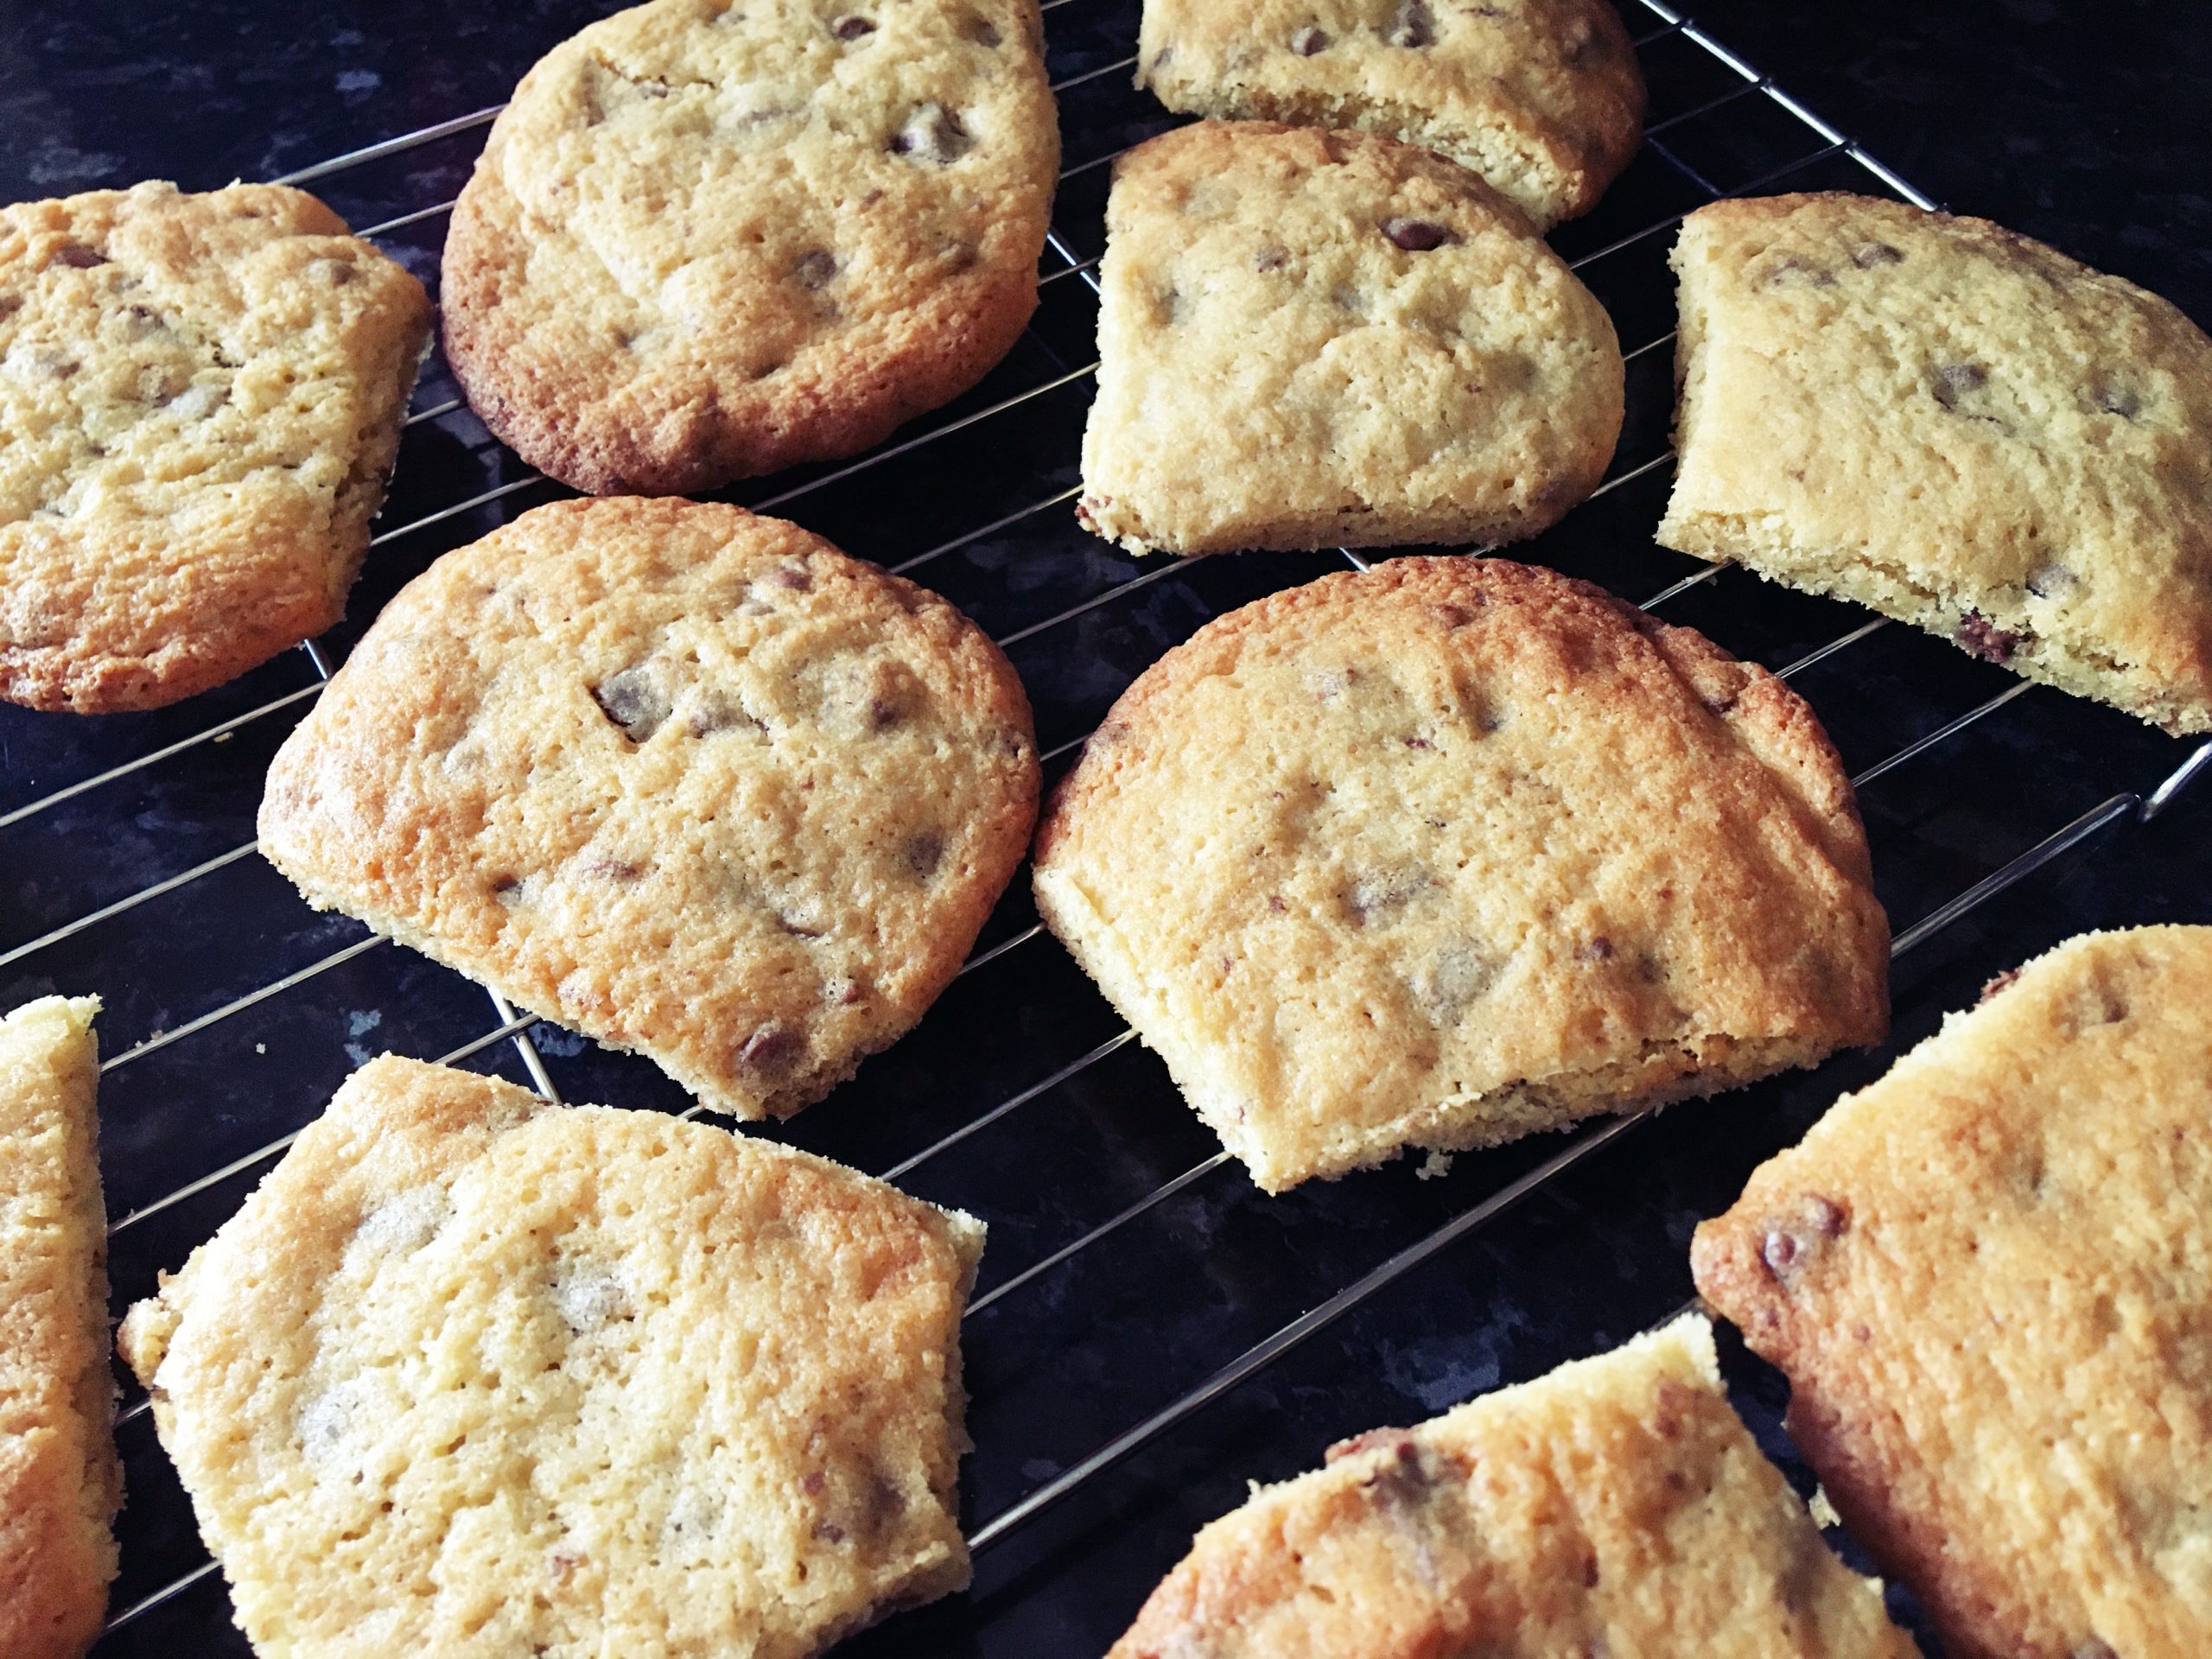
(2086, 126)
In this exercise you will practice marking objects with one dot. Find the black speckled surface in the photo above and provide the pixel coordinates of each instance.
(2084, 125)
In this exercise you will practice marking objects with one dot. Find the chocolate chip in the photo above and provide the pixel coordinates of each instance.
(851, 28)
(814, 269)
(1793, 1242)
(1791, 271)
(1395, 1439)
(769, 1049)
(1867, 255)
(336, 273)
(1308, 40)
(1162, 59)
(1417, 235)
(1951, 381)
(2050, 579)
(934, 134)
(1987, 640)
(1454, 616)
(797, 928)
(1451, 980)
(829, 1532)
(925, 852)
(1270, 259)
(608, 868)
(1418, 743)
(982, 32)
(1412, 25)
(633, 700)
(1598, 950)
(2119, 400)
(884, 713)
(78, 256)
(797, 577)
(2002, 982)
(506, 889)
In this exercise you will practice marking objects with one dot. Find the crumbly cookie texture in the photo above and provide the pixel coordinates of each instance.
(474, 1375)
(1542, 98)
(712, 237)
(1456, 849)
(200, 396)
(59, 1480)
(1318, 338)
(1989, 1278)
(1616, 1506)
(688, 780)
(1959, 427)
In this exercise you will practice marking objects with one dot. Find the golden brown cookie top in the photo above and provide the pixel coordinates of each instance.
(1542, 98)
(1615, 1506)
(1455, 849)
(200, 395)
(1956, 424)
(1989, 1278)
(708, 239)
(474, 1372)
(1318, 338)
(686, 779)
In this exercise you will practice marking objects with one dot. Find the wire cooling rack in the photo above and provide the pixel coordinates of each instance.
(1142, 1339)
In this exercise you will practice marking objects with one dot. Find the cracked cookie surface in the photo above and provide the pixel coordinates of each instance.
(1960, 426)
(710, 239)
(1615, 1507)
(688, 780)
(1988, 1276)
(1457, 849)
(1317, 338)
(1542, 98)
(199, 397)
(476, 1375)
(59, 1479)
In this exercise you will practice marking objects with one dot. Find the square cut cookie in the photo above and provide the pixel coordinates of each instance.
(688, 780)
(1456, 849)
(1958, 427)
(1318, 338)
(1615, 1507)
(200, 396)
(1989, 1278)
(1542, 98)
(476, 1375)
(712, 237)
(59, 1480)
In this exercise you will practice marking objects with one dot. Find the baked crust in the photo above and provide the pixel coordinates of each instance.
(1989, 1279)
(708, 240)
(688, 780)
(1454, 849)
(203, 395)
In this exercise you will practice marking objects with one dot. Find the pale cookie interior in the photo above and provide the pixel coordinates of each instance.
(1958, 427)
(474, 1373)
(1616, 1506)
(1455, 850)
(1542, 98)
(1314, 339)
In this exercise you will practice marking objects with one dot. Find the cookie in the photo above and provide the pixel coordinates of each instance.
(690, 781)
(1318, 338)
(1456, 849)
(708, 239)
(1989, 1278)
(201, 395)
(472, 1373)
(1616, 1506)
(59, 1480)
(1542, 98)
(1959, 427)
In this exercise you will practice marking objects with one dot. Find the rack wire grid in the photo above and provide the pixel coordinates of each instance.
(1141, 1343)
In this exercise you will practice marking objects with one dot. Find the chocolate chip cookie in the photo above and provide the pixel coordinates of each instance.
(201, 395)
(59, 1480)
(472, 1373)
(1959, 427)
(712, 238)
(1457, 849)
(1989, 1278)
(688, 780)
(1615, 1507)
(1542, 98)
(1324, 339)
